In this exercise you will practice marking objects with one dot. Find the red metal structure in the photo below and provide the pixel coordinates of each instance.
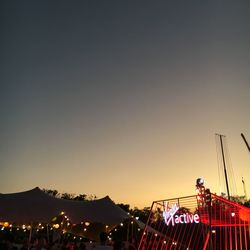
(203, 221)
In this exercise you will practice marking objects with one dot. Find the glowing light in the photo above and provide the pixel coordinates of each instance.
(121, 224)
(200, 182)
(233, 214)
(87, 223)
(6, 224)
(56, 226)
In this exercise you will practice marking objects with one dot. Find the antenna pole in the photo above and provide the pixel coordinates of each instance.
(224, 164)
(244, 139)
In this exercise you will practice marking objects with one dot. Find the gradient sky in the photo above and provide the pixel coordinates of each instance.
(123, 98)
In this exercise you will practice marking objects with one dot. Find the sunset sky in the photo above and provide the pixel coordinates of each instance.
(123, 98)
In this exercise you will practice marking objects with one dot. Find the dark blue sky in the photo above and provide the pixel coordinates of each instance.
(111, 91)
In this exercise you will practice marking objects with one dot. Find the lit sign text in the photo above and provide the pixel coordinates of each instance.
(170, 216)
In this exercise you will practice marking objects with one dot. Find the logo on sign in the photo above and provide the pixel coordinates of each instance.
(171, 217)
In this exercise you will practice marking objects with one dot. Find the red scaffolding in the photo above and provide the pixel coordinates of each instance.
(202, 221)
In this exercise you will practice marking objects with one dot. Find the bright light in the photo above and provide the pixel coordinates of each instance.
(233, 214)
(87, 223)
(200, 182)
(56, 226)
(6, 224)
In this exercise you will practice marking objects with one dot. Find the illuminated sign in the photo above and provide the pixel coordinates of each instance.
(170, 216)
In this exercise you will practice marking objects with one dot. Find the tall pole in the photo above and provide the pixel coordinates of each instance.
(248, 147)
(224, 164)
(243, 137)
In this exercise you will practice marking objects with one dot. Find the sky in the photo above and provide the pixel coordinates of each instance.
(123, 98)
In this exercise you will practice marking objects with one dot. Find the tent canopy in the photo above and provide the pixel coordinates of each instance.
(37, 206)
